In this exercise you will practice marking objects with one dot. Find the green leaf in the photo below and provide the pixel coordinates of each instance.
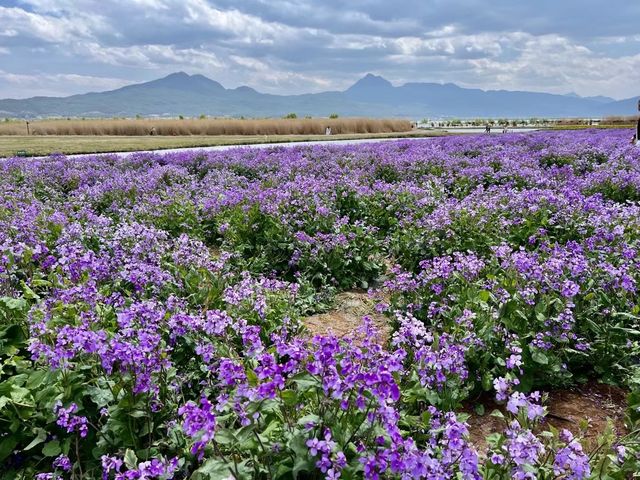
(252, 378)
(17, 304)
(137, 413)
(487, 381)
(629, 331)
(36, 378)
(298, 445)
(304, 381)
(539, 357)
(283, 471)
(290, 398)
(40, 437)
(226, 437)
(51, 449)
(28, 293)
(245, 437)
(311, 418)
(494, 439)
(100, 396)
(213, 469)
(302, 464)
(130, 459)
(7, 445)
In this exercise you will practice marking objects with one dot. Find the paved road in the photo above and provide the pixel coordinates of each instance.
(494, 130)
(218, 148)
(325, 142)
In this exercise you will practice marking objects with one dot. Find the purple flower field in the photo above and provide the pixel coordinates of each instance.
(152, 309)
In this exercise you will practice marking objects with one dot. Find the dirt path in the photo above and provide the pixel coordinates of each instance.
(592, 408)
(346, 317)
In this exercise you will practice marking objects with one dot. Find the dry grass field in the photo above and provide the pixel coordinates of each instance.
(36, 145)
(204, 126)
(620, 120)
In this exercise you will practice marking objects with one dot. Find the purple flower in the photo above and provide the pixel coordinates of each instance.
(199, 424)
(68, 420)
(570, 289)
(63, 463)
(620, 452)
(570, 461)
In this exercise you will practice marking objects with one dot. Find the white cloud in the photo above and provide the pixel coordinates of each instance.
(289, 46)
(58, 84)
(48, 28)
(243, 27)
(553, 63)
(271, 80)
(149, 56)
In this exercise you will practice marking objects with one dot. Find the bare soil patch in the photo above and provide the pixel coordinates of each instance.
(346, 317)
(593, 405)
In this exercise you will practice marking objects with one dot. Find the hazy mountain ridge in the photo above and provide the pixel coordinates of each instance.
(372, 95)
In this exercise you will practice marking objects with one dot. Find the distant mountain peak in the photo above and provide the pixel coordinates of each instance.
(179, 74)
(596, 98)
(370, 82)
(184, 81)
(244, 88)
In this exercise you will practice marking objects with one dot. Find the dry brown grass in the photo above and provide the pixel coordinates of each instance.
(620, 120)
(571, 121)
(35, 145)
(173, 127)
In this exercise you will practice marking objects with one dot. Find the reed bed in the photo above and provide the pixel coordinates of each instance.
(208, 126)
(620, 120)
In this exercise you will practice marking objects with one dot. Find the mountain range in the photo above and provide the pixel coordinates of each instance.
(372, 95)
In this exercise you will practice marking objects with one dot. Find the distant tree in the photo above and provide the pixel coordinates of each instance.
(138, 116)
(308, 117)
(333, 116)
(291, 115)
(181, 117)
(202, 116)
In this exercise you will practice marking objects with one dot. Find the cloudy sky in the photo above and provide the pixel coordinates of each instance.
(61, 47)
